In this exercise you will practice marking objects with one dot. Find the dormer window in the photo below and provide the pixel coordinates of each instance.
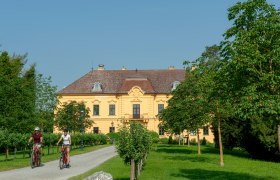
(96, 87)
(174, 85)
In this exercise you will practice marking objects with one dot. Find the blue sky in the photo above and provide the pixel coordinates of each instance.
(66, 38)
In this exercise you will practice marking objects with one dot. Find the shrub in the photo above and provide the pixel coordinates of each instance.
(163, 141)
(113, 137)
(203, 142)
(155, 136)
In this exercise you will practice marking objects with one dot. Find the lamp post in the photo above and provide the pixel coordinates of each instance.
(112, 131)
(82, 115)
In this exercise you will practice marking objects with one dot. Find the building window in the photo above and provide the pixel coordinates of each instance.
(205, 130)
(175, 84)
(193, 133)
(111, 129)
(95, 130)
(96, 110)
(160, 107)
(96, 87)
(136, 111)
(112, 110)
(161, 131)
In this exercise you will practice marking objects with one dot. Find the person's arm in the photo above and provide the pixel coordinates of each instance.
(59, 141)
(69, 140)
(30, 139)
(41, 139)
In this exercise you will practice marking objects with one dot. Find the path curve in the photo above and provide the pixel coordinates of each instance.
(50, 170)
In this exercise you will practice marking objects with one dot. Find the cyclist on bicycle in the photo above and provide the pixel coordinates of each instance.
(66, 143)
(37, 138)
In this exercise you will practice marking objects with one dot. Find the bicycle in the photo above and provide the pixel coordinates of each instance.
(63, 157)
(35, 156)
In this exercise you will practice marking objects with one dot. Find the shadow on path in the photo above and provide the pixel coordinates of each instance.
(213, 175)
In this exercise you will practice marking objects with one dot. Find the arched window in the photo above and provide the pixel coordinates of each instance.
(174, 85)
(96, 87)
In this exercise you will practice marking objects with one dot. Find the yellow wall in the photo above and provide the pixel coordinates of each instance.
(124, 109)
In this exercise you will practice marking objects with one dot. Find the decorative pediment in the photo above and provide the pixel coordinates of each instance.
(112, 101)
(161, 101)
(136, 100)
(96, 101)
(136, 91)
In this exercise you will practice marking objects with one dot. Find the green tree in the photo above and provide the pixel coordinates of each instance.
(73, 116)
(189, 107)
(46, 100)
(133, 145)
(17, 92)
(251, 72)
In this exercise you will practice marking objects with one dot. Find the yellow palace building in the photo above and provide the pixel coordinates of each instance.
(121, 96)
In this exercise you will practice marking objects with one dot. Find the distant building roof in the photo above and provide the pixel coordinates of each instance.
(121, 81)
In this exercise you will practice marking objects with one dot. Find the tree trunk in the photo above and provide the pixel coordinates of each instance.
(220, 141)
(132, 170)
(15, 153)
(7, 153)
(278, 130)
(188, 138)
(198, 142)
(138, 169)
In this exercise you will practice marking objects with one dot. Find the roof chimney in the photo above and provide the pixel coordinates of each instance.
(123, 68)
(171, 68)
(101, 67)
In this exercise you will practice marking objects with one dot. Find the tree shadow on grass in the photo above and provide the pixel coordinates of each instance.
(6, 160)
(237, 153)
(187, 158)
(175, 151)
(213, 175)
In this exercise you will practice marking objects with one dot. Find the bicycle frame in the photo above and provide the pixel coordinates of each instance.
(63, 157)
(35, 157)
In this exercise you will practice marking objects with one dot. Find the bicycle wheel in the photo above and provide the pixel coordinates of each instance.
(32, 160)
(65, 159)
(61, 164)
(39, 159)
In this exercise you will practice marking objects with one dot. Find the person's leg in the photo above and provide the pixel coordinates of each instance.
(68, 155)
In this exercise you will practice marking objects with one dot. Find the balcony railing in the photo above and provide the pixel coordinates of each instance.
(132, 117)
(136, 116)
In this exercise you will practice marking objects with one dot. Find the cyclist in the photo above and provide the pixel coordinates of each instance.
(66, 143)
(37, 138)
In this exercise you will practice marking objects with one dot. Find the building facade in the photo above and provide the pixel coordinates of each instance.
(115, 97)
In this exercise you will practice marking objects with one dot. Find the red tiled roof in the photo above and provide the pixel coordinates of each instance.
(121, 81)
(129, 83)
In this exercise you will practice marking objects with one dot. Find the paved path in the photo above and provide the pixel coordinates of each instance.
(50, 170)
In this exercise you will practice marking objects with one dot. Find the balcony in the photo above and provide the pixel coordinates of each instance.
(136, 117)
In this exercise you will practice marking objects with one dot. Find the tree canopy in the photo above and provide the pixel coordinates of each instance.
(73, 116)
(17, 92)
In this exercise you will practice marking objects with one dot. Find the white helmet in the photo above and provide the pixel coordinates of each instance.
(37, 129)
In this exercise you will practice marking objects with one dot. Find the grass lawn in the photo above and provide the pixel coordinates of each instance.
(20, 162)
(167, 162)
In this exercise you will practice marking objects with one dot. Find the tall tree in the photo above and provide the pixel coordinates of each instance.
(17, 92)
(251, 52)
(189, 107)
(46, 100)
